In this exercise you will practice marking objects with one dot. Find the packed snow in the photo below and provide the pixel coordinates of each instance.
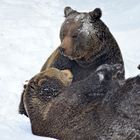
(29, 33)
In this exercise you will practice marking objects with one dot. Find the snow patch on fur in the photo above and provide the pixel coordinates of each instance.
(87, 27)
(101, 76)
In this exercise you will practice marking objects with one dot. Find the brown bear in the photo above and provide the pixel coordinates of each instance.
(103, 108)
(74, 113)
(86, 43)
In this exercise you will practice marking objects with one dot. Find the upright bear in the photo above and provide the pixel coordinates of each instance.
(86, 43)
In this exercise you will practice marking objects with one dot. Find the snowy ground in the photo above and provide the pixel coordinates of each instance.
(29, 32)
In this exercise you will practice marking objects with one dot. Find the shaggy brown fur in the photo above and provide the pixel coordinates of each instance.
(103, 108)
(86, 43)
(63, 76)
(84, 109)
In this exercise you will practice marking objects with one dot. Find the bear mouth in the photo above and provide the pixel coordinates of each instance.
(72, 57)
(68, 56)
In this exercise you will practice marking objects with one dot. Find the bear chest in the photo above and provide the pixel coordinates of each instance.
(80, 73)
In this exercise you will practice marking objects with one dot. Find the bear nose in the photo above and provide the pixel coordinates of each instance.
(61, 50)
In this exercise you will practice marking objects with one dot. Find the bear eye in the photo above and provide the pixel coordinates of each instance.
(74, 36)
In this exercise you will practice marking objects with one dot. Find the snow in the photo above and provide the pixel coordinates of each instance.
(29, 32)
(101, 76)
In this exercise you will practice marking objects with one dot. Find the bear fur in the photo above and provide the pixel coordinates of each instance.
(86, 43)
(94, 105)
(63, 76)
(84, 111)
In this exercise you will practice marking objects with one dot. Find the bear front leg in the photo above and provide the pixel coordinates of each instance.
(57, 60)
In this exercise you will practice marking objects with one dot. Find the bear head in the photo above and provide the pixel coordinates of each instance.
(52, 80)
(47, 84)
(63, 76)
(82, 34)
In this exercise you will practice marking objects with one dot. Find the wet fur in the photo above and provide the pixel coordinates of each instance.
(86, 50)
(63, 76)
(100, 109)
(80, 111)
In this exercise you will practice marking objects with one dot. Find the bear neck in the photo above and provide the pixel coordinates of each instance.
(92, 61)
(110, 54)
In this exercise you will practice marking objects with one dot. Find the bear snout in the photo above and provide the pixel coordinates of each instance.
(65, 47)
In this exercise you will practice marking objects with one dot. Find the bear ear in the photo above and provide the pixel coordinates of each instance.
(68, 11)
(96, 13)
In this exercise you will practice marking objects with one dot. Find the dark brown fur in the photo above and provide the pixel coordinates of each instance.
(83, 51)
(103, 108)
(64, 76)
(86, 43)
(75, 112)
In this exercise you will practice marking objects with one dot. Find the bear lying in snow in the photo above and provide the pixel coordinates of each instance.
(86, 43)
(98, 107)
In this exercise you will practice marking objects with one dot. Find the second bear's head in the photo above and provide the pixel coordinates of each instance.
(82, 34)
